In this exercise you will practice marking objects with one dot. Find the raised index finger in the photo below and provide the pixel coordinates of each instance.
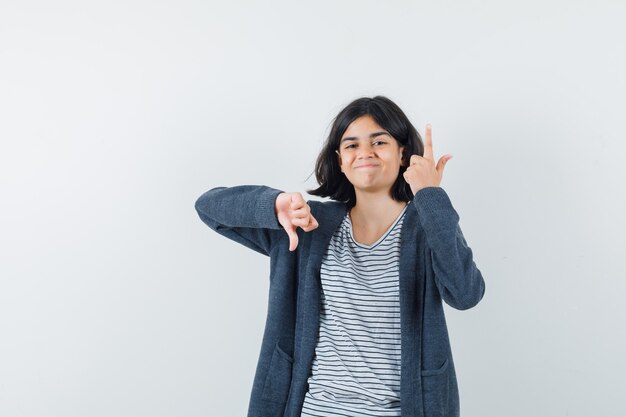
(428, 143)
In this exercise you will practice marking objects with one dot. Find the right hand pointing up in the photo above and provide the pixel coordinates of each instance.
(293, 211)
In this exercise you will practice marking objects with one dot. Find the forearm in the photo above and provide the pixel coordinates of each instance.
(459, 280)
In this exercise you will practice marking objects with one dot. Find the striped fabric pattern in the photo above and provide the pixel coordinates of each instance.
(356, 368)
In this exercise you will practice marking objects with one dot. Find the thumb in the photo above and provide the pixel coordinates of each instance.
(442, 162)
(293, 238)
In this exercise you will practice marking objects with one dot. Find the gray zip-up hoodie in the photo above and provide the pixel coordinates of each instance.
(435, 264)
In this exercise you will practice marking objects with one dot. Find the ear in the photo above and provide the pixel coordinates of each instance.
(401, 155)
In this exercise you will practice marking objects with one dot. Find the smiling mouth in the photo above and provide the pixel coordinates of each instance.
(368, 166)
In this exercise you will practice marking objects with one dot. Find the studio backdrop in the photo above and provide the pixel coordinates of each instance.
(117, 300)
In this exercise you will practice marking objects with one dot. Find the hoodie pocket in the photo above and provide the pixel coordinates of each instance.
(278, 380)
(435, 389)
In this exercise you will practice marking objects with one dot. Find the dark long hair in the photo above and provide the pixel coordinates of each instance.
(333, 183)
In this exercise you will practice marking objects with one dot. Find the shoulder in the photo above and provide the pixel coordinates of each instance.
(325, 205)
(328, 209)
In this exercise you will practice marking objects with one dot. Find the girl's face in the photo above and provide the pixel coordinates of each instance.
(369, 156)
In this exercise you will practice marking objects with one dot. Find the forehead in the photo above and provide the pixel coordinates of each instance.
(363, 127)
(363, 123)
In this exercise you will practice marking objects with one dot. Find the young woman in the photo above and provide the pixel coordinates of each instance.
(355, 323)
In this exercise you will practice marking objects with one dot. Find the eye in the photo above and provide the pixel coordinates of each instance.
(352, 144)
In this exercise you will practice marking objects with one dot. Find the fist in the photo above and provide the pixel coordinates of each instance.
(292, 211)
(422, 171)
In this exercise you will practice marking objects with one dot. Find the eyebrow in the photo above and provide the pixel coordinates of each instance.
(372, 136)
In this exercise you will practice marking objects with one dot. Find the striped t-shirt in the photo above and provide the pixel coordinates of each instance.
(356, 368)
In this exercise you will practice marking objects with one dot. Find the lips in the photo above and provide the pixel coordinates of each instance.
(367, 166)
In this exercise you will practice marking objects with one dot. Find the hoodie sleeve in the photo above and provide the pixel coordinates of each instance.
(457, 277)
(244, 213)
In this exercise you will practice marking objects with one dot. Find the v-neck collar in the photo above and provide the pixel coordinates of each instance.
(380, 239)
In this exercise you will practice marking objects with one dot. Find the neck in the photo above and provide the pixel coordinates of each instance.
(374, 209)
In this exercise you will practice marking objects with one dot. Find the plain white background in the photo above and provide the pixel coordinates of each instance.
(116, 300)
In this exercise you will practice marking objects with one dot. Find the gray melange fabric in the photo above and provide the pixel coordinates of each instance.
(435, 265)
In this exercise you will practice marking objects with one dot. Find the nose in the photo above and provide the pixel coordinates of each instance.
(365, 151)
